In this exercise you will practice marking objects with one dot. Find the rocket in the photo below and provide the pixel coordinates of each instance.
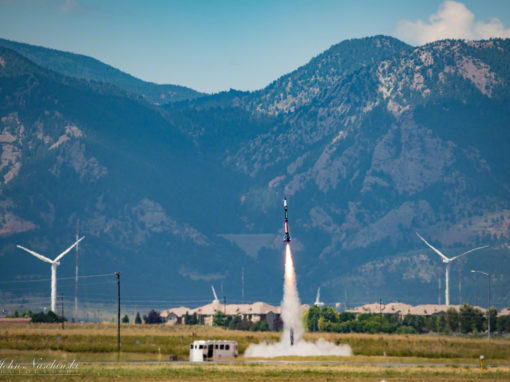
(286, 238)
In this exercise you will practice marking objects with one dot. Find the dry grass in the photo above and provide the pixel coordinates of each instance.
(159, 341)
(102, 338)
(97, 342)
(276, 372)
(419, 345)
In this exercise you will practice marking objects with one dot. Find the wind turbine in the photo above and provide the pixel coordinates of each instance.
(215, 296)
(317, 299)
(54, 264)
(448, 261)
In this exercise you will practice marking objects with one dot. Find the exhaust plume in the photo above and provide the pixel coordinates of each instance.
(291, 342)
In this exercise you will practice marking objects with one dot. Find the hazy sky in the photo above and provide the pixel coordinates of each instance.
(214, 45)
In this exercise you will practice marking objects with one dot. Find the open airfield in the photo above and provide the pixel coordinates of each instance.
(147, 350)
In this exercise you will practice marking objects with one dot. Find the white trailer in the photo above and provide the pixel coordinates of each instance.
(208, 350)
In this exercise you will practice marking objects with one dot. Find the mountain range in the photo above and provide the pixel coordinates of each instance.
(371, 141)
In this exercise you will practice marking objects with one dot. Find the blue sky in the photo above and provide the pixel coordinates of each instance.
(217, 45)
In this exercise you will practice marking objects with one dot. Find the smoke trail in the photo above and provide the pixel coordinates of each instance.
(291, 306)
(292, 322)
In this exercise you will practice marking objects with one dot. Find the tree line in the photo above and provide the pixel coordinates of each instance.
(466, 321)
(238, 323)
(47, 317)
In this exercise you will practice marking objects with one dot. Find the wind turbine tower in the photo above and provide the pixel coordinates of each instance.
(448, 261)
(54, 264)
(318, 298)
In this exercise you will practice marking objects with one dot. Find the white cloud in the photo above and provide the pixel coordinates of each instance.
(452, 20)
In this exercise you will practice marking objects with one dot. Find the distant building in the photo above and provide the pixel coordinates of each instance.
(405, 309)
(258, 311)
(175, 315)
(396, 308)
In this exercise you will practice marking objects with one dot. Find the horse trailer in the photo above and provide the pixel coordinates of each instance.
(208, 350)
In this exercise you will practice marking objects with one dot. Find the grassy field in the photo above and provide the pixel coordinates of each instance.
(426, 357)
(152, 340)
(272, 372)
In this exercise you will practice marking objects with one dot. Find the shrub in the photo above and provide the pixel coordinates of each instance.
(219, 319)
(260, 326)
(404, 329)
(47, 317)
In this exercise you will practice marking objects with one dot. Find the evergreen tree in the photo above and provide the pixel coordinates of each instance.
(138, 320)
(153, 318)
(125, 319)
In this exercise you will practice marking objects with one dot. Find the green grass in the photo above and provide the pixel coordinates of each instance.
(281, 372)
(425, 346)
(98, 342)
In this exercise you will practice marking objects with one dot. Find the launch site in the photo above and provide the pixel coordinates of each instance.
(260, 190)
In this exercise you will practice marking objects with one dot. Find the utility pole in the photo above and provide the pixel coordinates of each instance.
(62, 310)
(380, 314)
(242, 285)
(489, 310)
(225, 309)
(489, 307)
(118, 311)
(460, 284)
(76, 276)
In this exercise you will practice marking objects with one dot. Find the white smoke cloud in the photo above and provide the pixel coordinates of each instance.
(453, 20)
(291, 342)
(301, 348)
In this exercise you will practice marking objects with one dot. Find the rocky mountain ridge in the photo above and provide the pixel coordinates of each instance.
(90, 69)
(370, 141)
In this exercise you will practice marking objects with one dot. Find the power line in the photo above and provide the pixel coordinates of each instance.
(24, 287)
(59, 279)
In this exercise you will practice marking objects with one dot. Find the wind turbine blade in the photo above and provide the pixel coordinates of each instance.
(68, 249)
(434, 249)
(39, 256)
(471, 250)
